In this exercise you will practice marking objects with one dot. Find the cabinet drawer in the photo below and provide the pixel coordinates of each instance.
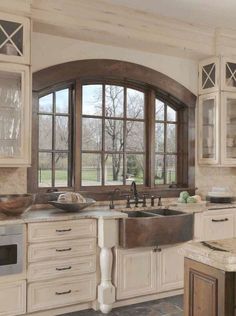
(66, 291)
(13, 298)
(61, 230)
(61, 249)
(61, 268)
(218, 226)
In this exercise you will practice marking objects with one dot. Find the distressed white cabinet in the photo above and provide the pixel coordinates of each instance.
(15, 115)
(14, 39)
(228, 74)
(208, 128)
(170, 268)
(209, 80)
(228, 128)
(13, 298)
(135, 272)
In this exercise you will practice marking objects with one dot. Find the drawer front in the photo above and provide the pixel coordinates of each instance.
(66, 291)
(61, 249)
(61, 230)
(218, 226)
(13, 298)
(61, 268)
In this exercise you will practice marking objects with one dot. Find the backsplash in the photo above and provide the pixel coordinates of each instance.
(13, 180)
(208, 177)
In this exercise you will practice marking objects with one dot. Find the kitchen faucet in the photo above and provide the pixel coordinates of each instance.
(111, 205)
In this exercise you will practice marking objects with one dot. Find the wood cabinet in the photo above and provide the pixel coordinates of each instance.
(15, 115)
(207, 291)
(13, 298)
(143, 271)
(170, 269)
(61, 264)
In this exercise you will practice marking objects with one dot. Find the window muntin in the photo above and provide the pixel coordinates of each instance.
(113, 151)
(165, 143)
(54, 139)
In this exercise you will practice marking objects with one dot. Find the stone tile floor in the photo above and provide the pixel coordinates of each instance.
(172, 306)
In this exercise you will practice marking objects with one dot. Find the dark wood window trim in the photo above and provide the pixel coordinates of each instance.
(139, 77)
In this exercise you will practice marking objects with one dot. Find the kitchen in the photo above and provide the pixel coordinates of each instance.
(122, 93)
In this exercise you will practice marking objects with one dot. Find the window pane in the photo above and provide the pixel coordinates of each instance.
(171, 169)
(45, 132)
(135, 136)
(114, 101)
(61, 170)
(159, 137)
(114, 135)
(91, 134)
(171, 138)
(46, 103)
(45, 170)
(62, 132)
(171, 114)
(159, 169)
(92, 100)
(160, 110)
(91, 169)
(135, 104)
(62, 101)
(135, 169)
(114, 169)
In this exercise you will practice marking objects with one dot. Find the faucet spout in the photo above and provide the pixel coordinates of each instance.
(134, 190)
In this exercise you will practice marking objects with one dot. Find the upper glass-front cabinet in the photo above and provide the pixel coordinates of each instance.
(208, 127)
(228, 130)
(209, 75)
(14, 39)
(15, 115)
(228, 74)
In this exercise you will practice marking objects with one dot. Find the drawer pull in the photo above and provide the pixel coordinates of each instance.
(66, 249)
(63, 230)
(219, 220)
(63, 293)
(62, 269)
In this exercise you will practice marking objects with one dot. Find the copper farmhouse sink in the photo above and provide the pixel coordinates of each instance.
(155, 227)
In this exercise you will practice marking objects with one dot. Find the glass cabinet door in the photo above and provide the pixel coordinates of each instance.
(208, 128)
(209, 75)
(14, 116)
(228, 140)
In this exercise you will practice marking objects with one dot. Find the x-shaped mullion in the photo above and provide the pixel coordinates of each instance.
(232, 73)
(208, 76)
(9, 38)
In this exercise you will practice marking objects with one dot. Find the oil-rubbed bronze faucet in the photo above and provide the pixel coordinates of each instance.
(111, 205)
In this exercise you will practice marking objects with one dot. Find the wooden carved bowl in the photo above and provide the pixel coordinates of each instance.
(16, 204)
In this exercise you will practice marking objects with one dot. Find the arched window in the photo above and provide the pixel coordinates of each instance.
(97, 132)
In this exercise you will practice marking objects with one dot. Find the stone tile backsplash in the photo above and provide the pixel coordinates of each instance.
(13, 180)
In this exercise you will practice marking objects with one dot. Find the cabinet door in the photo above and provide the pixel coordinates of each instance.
(228, 74)
(136, 272)
(15, 116)
(209, 75)
(14, 39)
(228, 123)
(13, 298)
(218, 225)
(170, 269)
(208, 129)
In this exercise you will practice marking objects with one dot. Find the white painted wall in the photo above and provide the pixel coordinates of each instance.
(50, 50)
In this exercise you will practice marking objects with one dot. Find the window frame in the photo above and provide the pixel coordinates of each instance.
(185, 106)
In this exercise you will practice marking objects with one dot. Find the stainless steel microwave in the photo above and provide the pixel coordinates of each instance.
(12, 250)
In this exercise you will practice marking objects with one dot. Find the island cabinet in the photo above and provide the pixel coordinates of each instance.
(144, 271)
(208, 291)
(61, 264)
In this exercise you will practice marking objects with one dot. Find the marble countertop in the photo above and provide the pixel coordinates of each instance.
(224, 260)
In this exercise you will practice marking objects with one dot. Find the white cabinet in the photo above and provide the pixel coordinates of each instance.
(170, 269)
(208, 128)
(13, 298)
(15, 115)
(14, 39)
(143, 271)
(228, 74)
(209, 75)
(228, 128)
(135, 272)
